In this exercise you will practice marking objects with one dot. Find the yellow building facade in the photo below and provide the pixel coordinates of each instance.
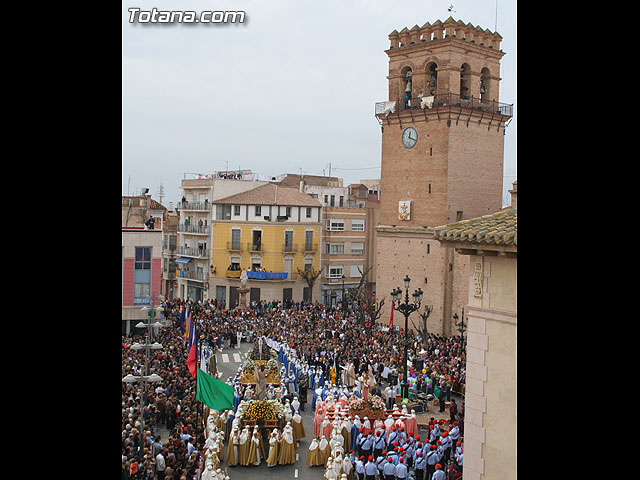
(271, 232)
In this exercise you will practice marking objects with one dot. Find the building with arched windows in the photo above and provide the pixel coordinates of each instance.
(442, 131)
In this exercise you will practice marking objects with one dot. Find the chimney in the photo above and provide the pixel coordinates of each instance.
(171, 206)
(514, 195)
(301, 186)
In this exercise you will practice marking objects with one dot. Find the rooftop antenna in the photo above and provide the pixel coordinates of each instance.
(495, 26)
(161, 193)
(128, 184)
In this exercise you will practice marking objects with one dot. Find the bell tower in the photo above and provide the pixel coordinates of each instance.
(442, 155)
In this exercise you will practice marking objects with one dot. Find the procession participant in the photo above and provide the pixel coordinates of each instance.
(439, 473)
(327, 428)
(410, 451)
(295, 404)
(381, 460)
(454, 434)
(431, 459)
(388, 425)
(347, 467)
(329, 473)
(360, 468)
(379, 444)
(256, 450)
(243, 447)
(232, 454)
(420, 465)
(346, 431)
(458, 457)
(287, 453)
(313, 454)
(446, 444)
(458, 447)
(324, 450)
(355, 431)
(440, 449)
(402, 436)
(298, 426)
(389, 470)
(401, 470)
(392, 454)
(359, 440)
(370, 469)
(337, 463)
(366, 445)
(318, 418)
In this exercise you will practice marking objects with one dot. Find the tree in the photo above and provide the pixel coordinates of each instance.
(366, 302)
(310, 276)
(423, 331)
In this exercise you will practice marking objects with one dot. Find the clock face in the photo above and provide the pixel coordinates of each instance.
(409, 137)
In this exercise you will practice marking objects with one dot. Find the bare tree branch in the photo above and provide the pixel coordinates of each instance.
(310, 276)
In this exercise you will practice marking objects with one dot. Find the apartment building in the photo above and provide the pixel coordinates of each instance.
(194, 228)
(141, 257)
(271, 231)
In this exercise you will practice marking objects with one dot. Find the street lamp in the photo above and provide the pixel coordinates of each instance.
(143, 379)
(146, 378)
(406, 309)
(461, 326)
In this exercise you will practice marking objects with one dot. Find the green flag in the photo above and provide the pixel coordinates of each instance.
(214, 393)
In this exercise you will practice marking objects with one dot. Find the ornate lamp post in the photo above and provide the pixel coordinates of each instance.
(406, 309)
(461, 326)
(148, 346)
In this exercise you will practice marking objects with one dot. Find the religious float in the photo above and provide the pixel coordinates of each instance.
(261, 355)
(373, 407)
(264, 413)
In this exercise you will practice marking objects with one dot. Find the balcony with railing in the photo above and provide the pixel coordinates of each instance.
(195, 206)
(197, 229)
(234, 246)
(310, 248)
(233, 273)
(445, 101)
(191, 275)
(193, 252)
(254, 247)
(289, 248)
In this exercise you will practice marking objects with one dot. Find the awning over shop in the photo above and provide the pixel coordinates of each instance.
(183, 260)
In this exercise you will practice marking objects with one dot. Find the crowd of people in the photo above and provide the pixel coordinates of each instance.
(324, 341)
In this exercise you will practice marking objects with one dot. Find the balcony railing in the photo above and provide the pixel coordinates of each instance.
(233, 273)
(234, 247)
(446, 100)
(188, 228)
(197, 206)
(254, 247)
(310, 247)
(191, 275)
(289, 248)
(193, 252)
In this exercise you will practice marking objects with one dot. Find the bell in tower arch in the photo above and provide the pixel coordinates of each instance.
(407, 89)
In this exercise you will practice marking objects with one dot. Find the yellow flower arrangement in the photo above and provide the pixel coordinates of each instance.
(260, 409)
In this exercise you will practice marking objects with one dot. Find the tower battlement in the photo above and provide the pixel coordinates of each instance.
(449, 30)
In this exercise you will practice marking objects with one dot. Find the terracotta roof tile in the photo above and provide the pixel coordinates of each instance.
(271, 194)
(500, 228)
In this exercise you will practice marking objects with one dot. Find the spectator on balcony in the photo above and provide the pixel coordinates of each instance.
(150, 223)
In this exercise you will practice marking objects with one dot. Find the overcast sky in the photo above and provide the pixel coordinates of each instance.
(292, 89)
